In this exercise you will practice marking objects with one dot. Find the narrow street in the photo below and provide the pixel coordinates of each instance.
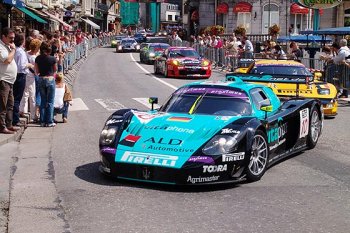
(56, 185)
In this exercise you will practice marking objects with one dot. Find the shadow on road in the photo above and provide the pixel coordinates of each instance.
(90, 173)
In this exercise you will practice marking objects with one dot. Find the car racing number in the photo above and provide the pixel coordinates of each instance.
(304, 123)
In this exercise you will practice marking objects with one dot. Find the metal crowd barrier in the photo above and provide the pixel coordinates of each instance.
(81, 50)
(339, 75)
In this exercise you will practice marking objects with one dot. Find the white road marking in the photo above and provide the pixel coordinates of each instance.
(110, 105)
(78, 105)
(144, 101)
(151, 75)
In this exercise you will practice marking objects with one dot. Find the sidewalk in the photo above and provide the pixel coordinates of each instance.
(8, 145)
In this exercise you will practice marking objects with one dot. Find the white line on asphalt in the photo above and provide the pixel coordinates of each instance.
(109, 104)
(78, 105)
(144, 101)
(151, 75)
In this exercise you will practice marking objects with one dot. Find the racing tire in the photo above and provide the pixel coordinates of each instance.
(166, 71)
(155, 69)
(258, 157)
(314, 128)
(141, 59)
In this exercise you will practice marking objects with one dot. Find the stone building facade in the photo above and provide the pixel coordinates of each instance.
(256, 15)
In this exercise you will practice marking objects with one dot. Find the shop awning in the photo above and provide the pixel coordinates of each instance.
(69, 27)
(242, 7)
(16, 3)
(297, 9)
(31, 14)
(94, 25)
(222, 8)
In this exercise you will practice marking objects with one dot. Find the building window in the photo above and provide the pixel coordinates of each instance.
(347, 18)
(270, 17)
(170, 18)
(176, 17)
(243, 20)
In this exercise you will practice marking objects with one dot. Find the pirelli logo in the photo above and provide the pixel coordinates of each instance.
(149, 159)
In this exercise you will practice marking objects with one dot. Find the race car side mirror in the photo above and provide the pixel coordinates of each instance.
(266, 109)
(153, 101)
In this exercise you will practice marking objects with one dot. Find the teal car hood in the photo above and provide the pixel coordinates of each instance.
(168, 140)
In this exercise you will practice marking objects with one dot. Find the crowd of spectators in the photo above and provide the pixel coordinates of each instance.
(29, 65)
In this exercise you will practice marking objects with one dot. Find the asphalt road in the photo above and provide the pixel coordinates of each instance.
(305, 193)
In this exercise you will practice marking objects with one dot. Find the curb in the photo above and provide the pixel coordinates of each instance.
(6, 159)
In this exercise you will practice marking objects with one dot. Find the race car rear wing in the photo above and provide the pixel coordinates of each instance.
(288, 79)
(297, 79)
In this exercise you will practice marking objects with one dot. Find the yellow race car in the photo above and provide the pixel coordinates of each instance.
(289, 78)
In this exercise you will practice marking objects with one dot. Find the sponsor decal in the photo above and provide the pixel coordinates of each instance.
(223, 118)
(113, 121)
(108, 150)
(179, 119)
(171, 141)
(229, 131)
(215, 91)
(130, 140)
(200, 179)
(145, 117)
(168, 149)
(233, 157)
(276, 134)
(304, 123)
(169, 128)
(149, 159)
(201, 159)
(214, 168)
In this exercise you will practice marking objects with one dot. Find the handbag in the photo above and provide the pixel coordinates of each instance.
(67, 94)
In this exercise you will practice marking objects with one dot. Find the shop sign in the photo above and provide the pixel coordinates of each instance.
(98, 15)
(318, 4)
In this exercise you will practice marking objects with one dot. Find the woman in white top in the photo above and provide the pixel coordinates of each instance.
(28, 100)
(63, 97)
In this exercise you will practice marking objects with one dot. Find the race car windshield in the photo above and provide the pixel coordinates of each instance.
(209, 101)
(281, 70)
(158, 48)
(183, 53)
(128, 41)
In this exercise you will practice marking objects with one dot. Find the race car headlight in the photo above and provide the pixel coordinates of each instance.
(205, 63)
(152, 54)
(176, 62)
(220, 144)
(323, 91)
(107, 136)
(137, 47)
(120, 47)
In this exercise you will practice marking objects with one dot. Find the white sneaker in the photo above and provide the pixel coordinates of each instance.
(51, 125)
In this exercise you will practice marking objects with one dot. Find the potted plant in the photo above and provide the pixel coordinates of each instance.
(240, 31)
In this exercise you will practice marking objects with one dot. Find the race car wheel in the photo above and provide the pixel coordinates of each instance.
(258, 157)
(166, 71)
(314, 128)
(155, 69)
(141, 59)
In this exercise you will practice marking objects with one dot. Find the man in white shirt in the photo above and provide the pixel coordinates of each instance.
(248, 48)
(8, 73)
(341, 50)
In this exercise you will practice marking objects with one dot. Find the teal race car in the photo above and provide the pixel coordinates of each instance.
(150, 51)
(116, 40)
(208, 132)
